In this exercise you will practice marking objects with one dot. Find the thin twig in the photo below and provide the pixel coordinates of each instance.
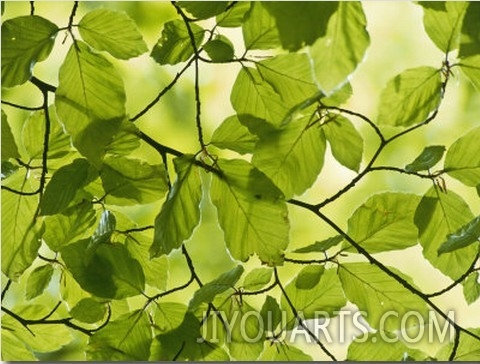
(22, 107)
(5, 289)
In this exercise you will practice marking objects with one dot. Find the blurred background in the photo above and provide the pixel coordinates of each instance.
(398, 42)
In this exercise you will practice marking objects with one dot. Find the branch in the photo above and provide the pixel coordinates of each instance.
(197, 83)
(5, 289)
(255, 293)
(403, 171)
(28, 108)
(297, 316)
(162, 92)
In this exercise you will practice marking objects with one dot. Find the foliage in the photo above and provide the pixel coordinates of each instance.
(75, 175)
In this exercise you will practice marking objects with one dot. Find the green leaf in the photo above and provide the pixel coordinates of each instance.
(14, 349)
(131, 181)
(251, 212)
(470, 67)
(89, 310)
(443, 21)
(155, 269)
(471, 288)
(174, 46)
(20, 233)
(125, 141)
(278, 351)
(180, 213)
(385, 222)
(90, 100)
(231, 134)
(300, 23)
(203, 9)
(126, 339)
(38, 338)
(64, 184)
(291, 77)
(26, 40)
(337, 54)
(219, 49)
(381, 346)
(208, 291)
(470, 35)
(33, 134)
(252, 95)
(244, 334)
(8, 169)
(38, 280)
(105, 228)
(309, 276)
(430, 156)
(325, 295)
(71, 225)
(465, 236)
(292, 157)
(271, 314)
(345, 141)
(169, 347)
(462, 161)
(112, 31)
(259, 28)
(376, 293)
(468, 348)
(257, 278)
(9, 147)
(105, 270)
(439, 214)
(169, 315)
(321, 246)
(410, 97)
(234, 16)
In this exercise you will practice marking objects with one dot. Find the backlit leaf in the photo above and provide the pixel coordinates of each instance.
(219, 49)
(251, 212)
(112, 31)
(259, 28)
(345, 141)
(337, 54)
(14, 349)
(410, 97)
(231, 134)
(38, 280)
(169, 315)
(323, 294)
(233, 17)
(471, 288)
(251, 95)
(470, 34)
(64, 184)
(443, 21)
(292, 157)
(438, 215)
(90, 100)
(385, 222)
(257, 278)
(321, 246)
(9, 147)
(300, 23)
(180, 213)
(131, 181)
(174, 46)
(470, 67)
(468, 348)
(466, 235)
(462, 161)
(126, 339)
(430, 156)
(26, 40)
(271, 314)
(89, 310)
(208, 291)
(203, 9)
(105, 270)
(376, 293)
(71, 225)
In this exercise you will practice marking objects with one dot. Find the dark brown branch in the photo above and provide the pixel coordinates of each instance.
(5, 289)
(17, 106)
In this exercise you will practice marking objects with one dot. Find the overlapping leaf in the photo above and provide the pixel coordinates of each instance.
(251, 212)
(259, 28)
(232, 134)
(90, 100)
(26, 40)
(430, 156)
